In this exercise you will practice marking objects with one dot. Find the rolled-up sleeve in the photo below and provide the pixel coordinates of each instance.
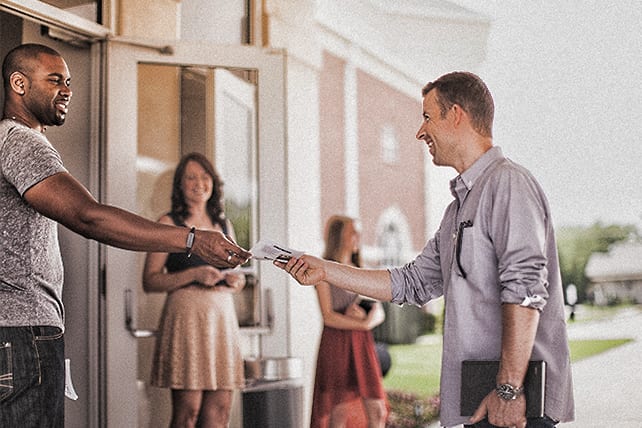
(420, 280)
(519, 228)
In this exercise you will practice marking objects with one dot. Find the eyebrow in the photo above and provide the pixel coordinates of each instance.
(59, 75)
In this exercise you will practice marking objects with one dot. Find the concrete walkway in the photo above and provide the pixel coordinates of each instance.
(607, 386)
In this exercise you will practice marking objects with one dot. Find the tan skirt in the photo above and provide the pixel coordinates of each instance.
(197, 347)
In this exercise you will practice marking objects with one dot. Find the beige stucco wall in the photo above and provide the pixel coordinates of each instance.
(149, 19)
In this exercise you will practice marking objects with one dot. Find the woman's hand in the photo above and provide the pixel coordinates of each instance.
(235, 281)
(355, 311)
(370, 319)
(207, 276)
(376, 315)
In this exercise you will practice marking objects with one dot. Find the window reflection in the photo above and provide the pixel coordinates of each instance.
(184, 109)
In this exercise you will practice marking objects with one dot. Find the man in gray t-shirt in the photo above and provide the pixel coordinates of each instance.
(31, 293)
(36, 193)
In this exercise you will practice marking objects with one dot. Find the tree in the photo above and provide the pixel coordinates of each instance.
(576, 244)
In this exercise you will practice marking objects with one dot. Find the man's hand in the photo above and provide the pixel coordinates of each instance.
(218, 250)
(501, 412)
(307, 270)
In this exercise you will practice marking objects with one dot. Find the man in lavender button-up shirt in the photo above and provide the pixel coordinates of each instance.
(494, 259)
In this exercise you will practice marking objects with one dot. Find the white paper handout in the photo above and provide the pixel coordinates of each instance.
(267, 249)
(70, 392)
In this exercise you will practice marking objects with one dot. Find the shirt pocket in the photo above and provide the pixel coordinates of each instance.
(464, 250)
(6, 370)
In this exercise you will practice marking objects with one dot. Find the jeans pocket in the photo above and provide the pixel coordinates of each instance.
(6, 370)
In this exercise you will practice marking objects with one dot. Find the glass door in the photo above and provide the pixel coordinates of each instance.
(225, 102)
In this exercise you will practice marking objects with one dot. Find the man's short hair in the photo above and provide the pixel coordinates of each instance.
(468, 91)
(20, 59)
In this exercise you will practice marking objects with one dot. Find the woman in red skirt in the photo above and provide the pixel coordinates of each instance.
(348, 378)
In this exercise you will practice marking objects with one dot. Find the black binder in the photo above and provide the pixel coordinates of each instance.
(478, 379)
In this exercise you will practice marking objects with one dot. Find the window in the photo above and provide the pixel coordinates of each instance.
(393, 238)
(390, 243)
(389, 144)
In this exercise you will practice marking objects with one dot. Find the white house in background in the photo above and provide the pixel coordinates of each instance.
(616, 275)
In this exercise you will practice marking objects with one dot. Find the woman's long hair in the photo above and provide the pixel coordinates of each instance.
(214, 207)
(334, 239)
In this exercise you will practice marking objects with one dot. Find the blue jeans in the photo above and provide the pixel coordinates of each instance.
(32, 377)
(544, 422)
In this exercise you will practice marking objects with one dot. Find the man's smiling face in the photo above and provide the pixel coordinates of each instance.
(435, 131)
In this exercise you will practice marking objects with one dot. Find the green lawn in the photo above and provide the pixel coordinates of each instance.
(581, 349)
(415, 367)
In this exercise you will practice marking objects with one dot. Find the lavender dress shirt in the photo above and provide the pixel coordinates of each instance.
(507, 255)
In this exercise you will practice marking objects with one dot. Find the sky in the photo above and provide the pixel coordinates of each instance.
(567, 82)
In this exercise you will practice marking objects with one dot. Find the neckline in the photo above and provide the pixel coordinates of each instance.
(23, 123)
(15, 119)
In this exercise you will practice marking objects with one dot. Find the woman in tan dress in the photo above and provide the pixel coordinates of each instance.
(197, 351)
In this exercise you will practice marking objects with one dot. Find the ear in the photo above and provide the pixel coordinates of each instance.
(457, 112)
(18, 81)
(459, 115)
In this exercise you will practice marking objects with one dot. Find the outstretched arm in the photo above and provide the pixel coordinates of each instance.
(63, 199)
(310, 270)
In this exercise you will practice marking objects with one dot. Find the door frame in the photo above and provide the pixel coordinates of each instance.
(120, 124)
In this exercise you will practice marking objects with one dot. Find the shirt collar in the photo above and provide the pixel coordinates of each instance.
(461, 185)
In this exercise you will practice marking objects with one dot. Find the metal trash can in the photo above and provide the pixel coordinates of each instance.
(273, 404)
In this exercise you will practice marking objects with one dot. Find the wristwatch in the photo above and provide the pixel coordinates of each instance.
(508, 392)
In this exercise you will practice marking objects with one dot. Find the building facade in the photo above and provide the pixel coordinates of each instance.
(308, 108)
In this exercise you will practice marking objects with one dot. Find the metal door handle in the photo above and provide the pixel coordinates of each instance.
(129, 320)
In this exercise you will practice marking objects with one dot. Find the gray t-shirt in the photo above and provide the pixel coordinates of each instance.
(31, 272)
